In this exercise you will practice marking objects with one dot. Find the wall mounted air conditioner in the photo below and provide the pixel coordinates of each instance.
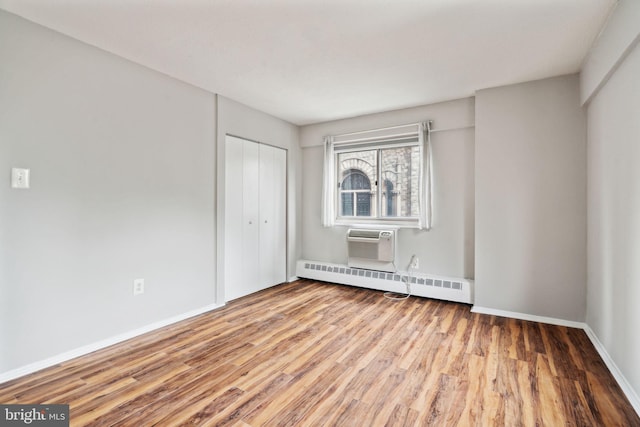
(372, 249)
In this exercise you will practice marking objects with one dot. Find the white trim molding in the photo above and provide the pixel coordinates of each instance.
(89, 348)
(613, 368)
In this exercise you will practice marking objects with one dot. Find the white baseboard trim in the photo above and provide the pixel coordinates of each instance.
(293, 278)
(629, 392)
(615, 371)
(530, 317)
(89, 348)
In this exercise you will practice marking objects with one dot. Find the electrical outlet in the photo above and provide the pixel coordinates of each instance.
(19, 178)
(415, 262)
(138, 286)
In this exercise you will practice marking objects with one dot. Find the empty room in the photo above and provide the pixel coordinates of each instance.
(319, 213)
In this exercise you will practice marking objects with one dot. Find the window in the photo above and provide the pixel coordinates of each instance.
(380, 176)
(360, 171)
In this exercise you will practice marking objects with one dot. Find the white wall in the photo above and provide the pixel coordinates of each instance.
(445, 250)
(531, 199)
(612, 46)
(240, 120)
(122, 162)
(613, 295)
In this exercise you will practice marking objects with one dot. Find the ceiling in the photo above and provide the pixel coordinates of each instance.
(309, 61)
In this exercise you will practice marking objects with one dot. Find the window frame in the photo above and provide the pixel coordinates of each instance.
(376, 188)
(422, 131)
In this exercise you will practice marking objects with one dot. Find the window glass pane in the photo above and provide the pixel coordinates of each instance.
(346, 204)
(357, 175)
(389, 199)
(356, 180)
(363, 207)
(400, 174)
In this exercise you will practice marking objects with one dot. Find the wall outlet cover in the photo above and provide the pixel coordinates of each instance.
(415, 262)
(138, 286)
(19, 178)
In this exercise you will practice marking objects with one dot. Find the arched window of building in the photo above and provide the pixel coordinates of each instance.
(355, 194)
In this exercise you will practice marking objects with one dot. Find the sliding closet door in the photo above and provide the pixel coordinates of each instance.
(255, 217)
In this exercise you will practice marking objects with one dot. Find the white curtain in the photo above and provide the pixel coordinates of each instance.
(328, 185)
(426, 179)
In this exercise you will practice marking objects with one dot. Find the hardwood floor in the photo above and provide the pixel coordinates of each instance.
(315, 354)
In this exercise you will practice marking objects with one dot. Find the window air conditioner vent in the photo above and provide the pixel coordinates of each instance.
(372, 249)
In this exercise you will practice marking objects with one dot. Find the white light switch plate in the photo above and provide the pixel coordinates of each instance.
(19, 178)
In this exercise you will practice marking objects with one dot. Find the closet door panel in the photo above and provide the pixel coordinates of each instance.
(280, 216)
(267, 213)
(273, 214)
(251, 217)
(234, 247)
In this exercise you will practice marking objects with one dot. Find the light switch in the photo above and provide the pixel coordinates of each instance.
(19, 178)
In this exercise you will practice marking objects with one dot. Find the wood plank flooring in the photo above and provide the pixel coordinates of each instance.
(316, 354)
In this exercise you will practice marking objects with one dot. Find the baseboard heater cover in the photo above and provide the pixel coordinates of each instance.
(423, 285)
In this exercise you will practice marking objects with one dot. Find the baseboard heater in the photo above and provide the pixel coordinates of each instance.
(423, 285)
